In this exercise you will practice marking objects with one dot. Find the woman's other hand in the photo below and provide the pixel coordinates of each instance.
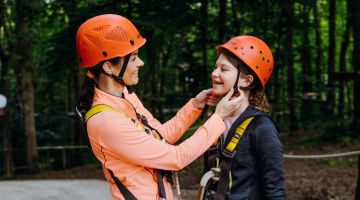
(229, 104)
(202, 98)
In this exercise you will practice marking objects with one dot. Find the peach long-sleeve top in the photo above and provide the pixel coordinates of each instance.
(132, 154)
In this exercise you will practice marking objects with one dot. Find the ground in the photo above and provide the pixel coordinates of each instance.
(320, 179)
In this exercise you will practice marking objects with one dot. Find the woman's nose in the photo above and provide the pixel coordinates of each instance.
(140, 63)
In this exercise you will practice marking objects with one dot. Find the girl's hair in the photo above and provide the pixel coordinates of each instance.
(87, 89)
(257, 96)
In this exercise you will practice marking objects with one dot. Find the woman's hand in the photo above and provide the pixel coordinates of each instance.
(213, 100)
(204, 97)
(229, 104)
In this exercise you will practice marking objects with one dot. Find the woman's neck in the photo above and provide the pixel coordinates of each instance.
(108, 85)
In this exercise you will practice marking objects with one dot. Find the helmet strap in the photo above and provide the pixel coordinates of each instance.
(235, 87)
(122, 70)
(119, 77)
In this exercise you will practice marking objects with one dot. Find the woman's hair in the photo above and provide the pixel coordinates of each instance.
(257, 96)
(87, 89)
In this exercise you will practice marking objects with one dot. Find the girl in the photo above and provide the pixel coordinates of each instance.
(252, 154)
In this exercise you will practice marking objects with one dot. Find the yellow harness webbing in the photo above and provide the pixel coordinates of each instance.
(237, 135)
(100, 108)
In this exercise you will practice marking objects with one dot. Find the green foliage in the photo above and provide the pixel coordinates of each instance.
(179, 57)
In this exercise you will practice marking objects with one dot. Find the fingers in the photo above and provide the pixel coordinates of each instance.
(208, 91)
(237, 99)
(229, 94)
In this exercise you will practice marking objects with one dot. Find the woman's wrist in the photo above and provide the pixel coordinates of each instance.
(197, 104)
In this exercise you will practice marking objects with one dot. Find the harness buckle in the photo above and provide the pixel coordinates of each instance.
(228, 154)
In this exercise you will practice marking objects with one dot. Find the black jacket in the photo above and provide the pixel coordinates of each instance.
(258, 166)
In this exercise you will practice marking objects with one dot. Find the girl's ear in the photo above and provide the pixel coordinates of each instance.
(245, 80)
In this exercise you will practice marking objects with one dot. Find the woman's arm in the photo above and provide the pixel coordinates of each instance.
(174, 128)
(119, 134)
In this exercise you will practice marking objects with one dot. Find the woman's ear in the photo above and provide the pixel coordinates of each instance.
(108, 67)
(245, 80)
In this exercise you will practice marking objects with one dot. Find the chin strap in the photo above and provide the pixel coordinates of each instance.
(236, 90)
(119, 78)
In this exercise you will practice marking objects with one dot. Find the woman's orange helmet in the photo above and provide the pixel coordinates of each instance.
(254, 53)
(104, 37)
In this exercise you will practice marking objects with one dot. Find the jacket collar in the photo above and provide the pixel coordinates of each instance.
(118, 103)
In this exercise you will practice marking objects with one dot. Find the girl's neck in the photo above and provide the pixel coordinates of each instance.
(241, 109)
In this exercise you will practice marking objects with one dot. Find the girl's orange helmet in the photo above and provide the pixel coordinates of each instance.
(254, 53)
(104, 37)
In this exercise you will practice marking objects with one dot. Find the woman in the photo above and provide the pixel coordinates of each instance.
(124, 136)
(254, 160)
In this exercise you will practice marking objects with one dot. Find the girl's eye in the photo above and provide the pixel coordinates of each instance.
(224, 69)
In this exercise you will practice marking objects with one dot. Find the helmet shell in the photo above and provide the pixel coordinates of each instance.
(104, 37)
(254, 53)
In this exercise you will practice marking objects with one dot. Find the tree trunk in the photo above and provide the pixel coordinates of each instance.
(204, 29)
(222, 21)
(306, 63)
(331, 57)
(342, 58)
(24, 79)
(5, 121)
(235, 20)
(356, 56)
(289, 21)
(319, 48)
(5, 127)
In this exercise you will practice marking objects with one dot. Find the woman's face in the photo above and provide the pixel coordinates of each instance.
(224, 76)
(131, 75)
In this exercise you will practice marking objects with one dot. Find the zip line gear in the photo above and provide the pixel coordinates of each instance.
(160, 173)
(105, 37)
(254, 53)
(133, 155)
(216, 182)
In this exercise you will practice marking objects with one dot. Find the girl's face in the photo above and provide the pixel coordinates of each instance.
(224, 76)
(131, 75)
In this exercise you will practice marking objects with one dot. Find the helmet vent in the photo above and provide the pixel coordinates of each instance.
(100, 28)
(251, 47)
(117, 34)
(260, 52)
(95, 40)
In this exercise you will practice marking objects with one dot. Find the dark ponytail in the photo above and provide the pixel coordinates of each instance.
(87, 89)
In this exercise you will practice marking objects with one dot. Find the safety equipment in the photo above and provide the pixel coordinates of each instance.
(254, 52)
(104, 37)
(140, 122)
(2, 101)
(214, 183)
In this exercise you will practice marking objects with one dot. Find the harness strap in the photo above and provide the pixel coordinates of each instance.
(124, 191)
(102, 108)
(227, 158)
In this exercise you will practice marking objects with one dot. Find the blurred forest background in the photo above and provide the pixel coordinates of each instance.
(315, 84)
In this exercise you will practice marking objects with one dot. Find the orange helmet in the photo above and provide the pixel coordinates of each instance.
(104, 37)
(254, 53)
